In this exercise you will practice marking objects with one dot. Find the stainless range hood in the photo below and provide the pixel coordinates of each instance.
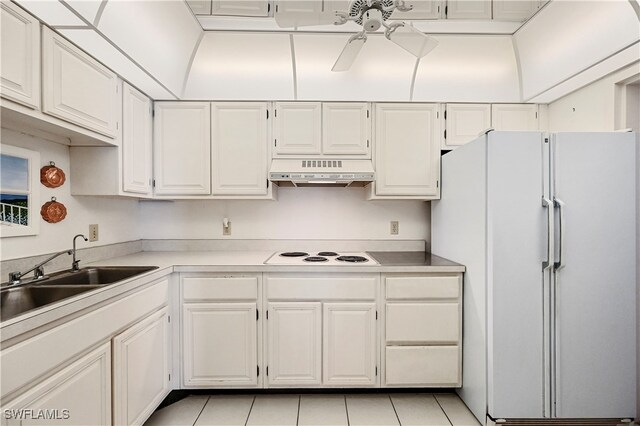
(321, 172)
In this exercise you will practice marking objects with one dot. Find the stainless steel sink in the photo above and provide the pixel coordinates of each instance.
(100, 275)
(18, 299)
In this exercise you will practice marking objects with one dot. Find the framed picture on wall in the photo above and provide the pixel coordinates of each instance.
(19, 191)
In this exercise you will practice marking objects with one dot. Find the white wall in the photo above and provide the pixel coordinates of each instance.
(299, 213)
(117, 218)
(592, 108)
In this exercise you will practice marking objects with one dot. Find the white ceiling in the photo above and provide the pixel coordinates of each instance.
(160, 47)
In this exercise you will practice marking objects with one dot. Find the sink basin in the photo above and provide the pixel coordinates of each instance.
(101, 275)
(18, 300)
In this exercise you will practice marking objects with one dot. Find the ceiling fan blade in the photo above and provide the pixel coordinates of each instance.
(349, 53)
(413, 41)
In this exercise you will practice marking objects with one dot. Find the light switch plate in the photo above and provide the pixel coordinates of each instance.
(395, 227)
(93, 232)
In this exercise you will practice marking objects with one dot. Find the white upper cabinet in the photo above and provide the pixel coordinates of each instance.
(239, 146)
(200, 7)
(297, 128)
(137, 141)
(76, 88)
(407, 160)
(463, 123)
(182, 148)
(346, 129)
(516, 117)
(468, 9)
(514, 10)
(140, 369)
(19, 55)
(421, 9)
(240, 7)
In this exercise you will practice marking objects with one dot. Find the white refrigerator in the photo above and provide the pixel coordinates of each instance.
(546, 227)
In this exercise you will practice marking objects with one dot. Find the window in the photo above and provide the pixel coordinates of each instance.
(19, 186)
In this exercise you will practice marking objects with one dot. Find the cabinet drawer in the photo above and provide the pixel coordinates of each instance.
(219, 288)
(422, 323)
(425, 287)
(314, 287)
(423, 365)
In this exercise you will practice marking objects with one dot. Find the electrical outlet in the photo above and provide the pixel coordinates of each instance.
(395, 227)
(226, 230)
(93, 232)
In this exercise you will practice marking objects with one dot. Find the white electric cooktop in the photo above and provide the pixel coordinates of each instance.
(331, 258)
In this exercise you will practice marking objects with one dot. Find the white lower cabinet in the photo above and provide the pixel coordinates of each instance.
(79, 394)
(423, 330)
(141, 369)
(322, 330)
(220, 331)
(295, 343)
(349, 337)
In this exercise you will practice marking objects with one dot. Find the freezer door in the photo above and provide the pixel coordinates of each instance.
(517, 240)
(593, 183)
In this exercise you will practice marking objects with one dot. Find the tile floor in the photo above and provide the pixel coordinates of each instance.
(314, 410)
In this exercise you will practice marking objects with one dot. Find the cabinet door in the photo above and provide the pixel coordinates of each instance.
(19, 55)
(514, 10)
(240, 7)
(79, 394)
(182, 148)
(516, 117)
(136, 141)
(220, 346)
(407, 149)
(464, 122)
(468, 9)
(422, 9)
(239, 143)
(433, 366)
(346, 129)
(297, 128)
(349, 344)
(200, 7)
(295, 343)
(76, 88)
(141, 369)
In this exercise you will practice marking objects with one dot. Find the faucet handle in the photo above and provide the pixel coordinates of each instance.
(14, 277)
(38, 272)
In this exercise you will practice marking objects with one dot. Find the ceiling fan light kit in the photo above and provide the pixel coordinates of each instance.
(371, 15)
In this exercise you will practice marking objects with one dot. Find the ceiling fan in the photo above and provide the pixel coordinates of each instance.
(371, 15)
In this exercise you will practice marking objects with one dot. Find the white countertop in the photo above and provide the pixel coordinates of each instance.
(191, 261)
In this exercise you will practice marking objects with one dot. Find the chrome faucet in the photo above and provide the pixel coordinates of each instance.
(15, 278)
(38, 274)
(75, 263)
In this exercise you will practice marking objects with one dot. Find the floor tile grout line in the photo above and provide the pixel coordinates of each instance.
(394, 410)
(200, 413)
(443, 411)
(253, 401)
(347, 410)
(298, 416)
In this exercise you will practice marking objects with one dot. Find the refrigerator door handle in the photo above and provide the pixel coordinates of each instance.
(560, 205)
(548, 204)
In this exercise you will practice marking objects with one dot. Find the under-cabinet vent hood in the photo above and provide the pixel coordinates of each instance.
(321, 172)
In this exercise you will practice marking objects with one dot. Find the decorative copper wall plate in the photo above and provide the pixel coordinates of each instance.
(52, 176)
(53, 211)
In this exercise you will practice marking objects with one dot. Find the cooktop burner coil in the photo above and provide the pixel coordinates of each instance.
(316, 259)
(327, 253)
(294, 254)
(352, 259)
